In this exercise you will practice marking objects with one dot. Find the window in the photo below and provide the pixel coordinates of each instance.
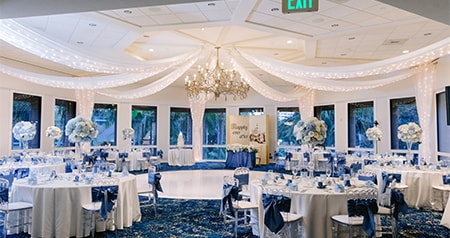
(360, 118)
(143, 120)
(326, 113)
(403, 110)
(214, 134)
(64, 111)
(287, 118)
(254, 111)
(443, 130)
(27, 108)
(105, 115)
(180, 121)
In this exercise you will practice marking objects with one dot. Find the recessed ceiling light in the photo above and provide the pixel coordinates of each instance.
(211, 4)
(275, 53)
(203, 28)
(427, 34)
(146, 36)
(275, 9)
(317, 20)
(324, 62)
(405, 51)
(127, 11)
(289, 41)
(343, 54)
(351, 38)
(334, 25)
(151, 50)
(80, 42)
(92, 24)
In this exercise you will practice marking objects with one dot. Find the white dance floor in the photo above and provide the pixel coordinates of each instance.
(193, 184)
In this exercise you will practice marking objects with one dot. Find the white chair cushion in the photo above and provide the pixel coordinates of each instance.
(13, 206)
(244, 205)
(92, 206)
(291, 217)
(384, 210)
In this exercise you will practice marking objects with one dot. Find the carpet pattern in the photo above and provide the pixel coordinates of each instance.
(178, 218)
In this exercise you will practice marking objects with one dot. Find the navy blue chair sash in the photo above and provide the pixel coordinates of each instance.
(4, 195)
(229, 192)
(365, 208)
(272, 214)
(155, 179)
(107, 203)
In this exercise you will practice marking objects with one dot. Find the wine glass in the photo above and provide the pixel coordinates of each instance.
(82, 169)
(328, 171)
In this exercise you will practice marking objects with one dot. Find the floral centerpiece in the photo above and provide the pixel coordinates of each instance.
(53, 132)
(409, 133)
(127, 133)
(79, 129)
(374, 134)
(24, 131)
(240, 147)
(311, 131)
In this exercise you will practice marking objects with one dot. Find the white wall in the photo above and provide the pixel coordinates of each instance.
(176, 96)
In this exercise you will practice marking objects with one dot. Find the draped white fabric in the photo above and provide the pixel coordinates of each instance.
(197, 105)
(306, 105)
(86, 100)
(424, 101)
(33, 42)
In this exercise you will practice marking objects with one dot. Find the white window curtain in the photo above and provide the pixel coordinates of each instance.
(197, 105)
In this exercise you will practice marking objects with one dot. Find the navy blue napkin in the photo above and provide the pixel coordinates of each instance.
(98, 195)
(446, 179)
(372, 178)
(4, 195)
(21, 173)
(355, 167)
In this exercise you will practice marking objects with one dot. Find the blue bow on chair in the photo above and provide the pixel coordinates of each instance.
(146, 155)
(123, 156)
(273, 206)
(288, 156)
(89, 159)
(388, 178)
(159, 153)
(155, 178)
(365, 208)
(229, 192)
(98, 195)
(372, 178)
(398, 200)
(4, 195)
(21, 173)
(446, 179)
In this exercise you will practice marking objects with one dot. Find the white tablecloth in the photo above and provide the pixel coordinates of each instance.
(57, 210)
(420, 183)
(445, 221)
(38, 168)
(132, 158)
(180, 157)
(315, 205)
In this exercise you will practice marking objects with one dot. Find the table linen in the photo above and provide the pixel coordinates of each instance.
(180, 157)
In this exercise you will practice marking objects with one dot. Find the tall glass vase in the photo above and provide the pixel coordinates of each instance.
(24, 144)
(409, 154)
(79, 150)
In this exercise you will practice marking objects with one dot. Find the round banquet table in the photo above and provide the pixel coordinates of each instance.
(40, 168)
(315, 205)
(420, 183)
(57, 205)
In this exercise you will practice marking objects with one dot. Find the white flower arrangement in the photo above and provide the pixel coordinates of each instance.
(24, 131)
(127, 133)
(310, 131)
(79, 129)
(410, 132)
(53, 132)
(241, 147)
(374, 133)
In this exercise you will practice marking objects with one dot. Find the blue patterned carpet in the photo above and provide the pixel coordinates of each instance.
(200, 218)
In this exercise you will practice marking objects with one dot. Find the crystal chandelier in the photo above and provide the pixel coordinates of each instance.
(217, 81)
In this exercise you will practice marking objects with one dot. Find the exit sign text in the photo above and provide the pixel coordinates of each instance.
(289, 6)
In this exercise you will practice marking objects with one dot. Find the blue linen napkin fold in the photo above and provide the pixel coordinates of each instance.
(21, 173)
(146, 154)
(372, 178)
(288, 156)
(355, 167)
(155, 178)
(107, 203)
(123, 156)
(446, 179)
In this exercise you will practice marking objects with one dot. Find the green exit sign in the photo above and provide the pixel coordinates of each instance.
(289, 6)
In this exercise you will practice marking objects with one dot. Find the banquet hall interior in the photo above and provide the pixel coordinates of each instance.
(312, 97)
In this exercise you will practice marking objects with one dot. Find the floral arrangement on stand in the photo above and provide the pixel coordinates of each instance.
(240, 147)
(374, 134)
(409, 133)
(53, 132)
(127, 133)
(24, 131)
(79, 129)
(311, 131)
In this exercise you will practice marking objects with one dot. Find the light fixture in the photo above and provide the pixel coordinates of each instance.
(217, 81)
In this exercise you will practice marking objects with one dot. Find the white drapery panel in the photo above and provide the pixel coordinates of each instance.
(424, 101)
(262, 88)
(284, 71)
(306, 105)
(151, 88)
(85, 103)
(95, 82)
(421, 56)
(35, 43)
(197, 105)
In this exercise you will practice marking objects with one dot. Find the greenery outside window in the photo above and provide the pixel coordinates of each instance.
(326, 113)
(214, 134)
(64, 111)
(143, 120)
(180, 121)
(105, 115)
(287, 118)
(403, 111)
(360, 118)
(27, 108)
(253, 111)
